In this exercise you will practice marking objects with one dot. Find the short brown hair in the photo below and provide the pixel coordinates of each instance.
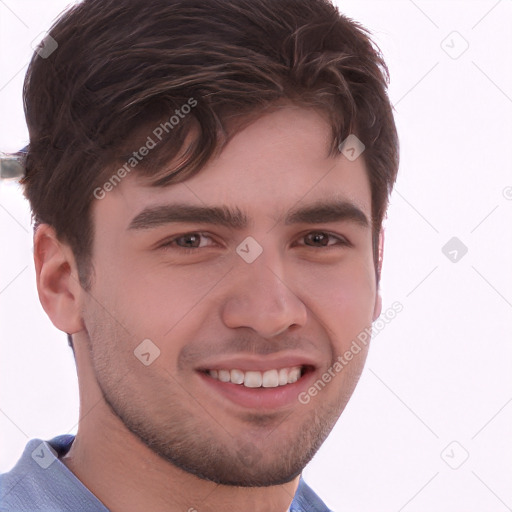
(123, 65)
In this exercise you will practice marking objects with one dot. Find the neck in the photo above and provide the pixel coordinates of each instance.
(127, 476)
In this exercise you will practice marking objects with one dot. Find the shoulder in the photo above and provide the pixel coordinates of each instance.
(41, 482)
(306, 500)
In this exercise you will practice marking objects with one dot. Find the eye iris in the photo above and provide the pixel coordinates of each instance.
(190, 240)
(319, 238)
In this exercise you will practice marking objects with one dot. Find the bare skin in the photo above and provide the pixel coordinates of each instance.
(167, 436)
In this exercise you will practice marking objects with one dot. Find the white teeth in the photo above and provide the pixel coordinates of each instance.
(271, 379)
(256, 379)
(293, 375)
(224, 376)
(253, 379)
(237, 376)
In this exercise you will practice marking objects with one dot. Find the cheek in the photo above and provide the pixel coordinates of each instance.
(157, 301)
(343, 298)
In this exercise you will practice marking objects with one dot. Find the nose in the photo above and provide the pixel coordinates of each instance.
(260, 298)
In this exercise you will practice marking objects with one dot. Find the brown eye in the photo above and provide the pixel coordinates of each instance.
(321, 239)
(317, 238)
(190, 240)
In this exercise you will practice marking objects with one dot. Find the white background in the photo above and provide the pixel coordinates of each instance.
(442, 370)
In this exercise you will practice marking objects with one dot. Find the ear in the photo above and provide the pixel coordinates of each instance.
(57, 280)
(378, 298)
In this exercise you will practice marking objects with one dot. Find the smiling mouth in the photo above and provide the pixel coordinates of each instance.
(273, 378)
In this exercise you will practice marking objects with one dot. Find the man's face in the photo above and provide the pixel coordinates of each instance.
(201, 293)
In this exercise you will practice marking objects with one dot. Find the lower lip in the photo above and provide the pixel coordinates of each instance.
(260, 398)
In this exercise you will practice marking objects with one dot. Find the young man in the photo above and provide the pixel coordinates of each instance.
(208, 180)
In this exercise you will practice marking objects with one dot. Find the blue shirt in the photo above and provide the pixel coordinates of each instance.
(40, 482)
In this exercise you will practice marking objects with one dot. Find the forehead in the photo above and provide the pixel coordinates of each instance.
(272, 166)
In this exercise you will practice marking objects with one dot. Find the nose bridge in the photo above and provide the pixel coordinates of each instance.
(260, 298)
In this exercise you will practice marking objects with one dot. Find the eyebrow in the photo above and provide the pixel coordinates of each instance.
(234, 218)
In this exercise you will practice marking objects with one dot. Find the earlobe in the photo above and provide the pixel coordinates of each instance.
(57, 281)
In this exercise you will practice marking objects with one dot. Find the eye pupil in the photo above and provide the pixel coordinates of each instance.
(319, 238)
(190, 240)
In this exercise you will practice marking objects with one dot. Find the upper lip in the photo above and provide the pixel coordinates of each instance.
(258, 363)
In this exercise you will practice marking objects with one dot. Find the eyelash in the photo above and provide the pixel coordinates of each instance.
(186, 250)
